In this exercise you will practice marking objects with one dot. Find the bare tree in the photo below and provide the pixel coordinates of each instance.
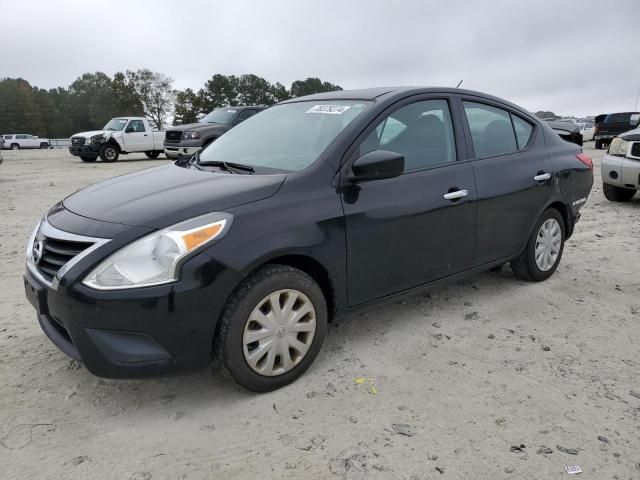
(156, 93)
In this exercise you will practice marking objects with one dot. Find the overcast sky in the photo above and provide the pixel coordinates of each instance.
(571, 57)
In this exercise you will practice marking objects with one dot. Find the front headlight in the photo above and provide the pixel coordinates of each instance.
(618, 147)
(156, 258)
(190, 135)
(96, 139)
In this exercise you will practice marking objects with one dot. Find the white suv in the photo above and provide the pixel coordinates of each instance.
(23, 140)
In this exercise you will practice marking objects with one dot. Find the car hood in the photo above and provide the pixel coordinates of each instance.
(194, 127)
(162, 196)
(91, 133)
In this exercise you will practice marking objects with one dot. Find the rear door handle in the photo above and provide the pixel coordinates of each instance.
(455, 195)
(542, 177)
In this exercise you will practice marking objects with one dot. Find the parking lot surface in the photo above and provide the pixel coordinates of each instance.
(487, 378)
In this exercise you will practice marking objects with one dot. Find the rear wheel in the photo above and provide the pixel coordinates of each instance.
(44, 145)
(544, 249)
(15, 146)
(598, 144)
(272, 329)
(109, 153)
(153, 154)
(617, 194)
(88, 159)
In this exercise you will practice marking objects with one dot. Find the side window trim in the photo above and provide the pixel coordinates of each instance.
(531, 135)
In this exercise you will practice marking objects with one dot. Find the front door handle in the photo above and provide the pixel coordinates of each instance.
(455, 195)
(542, 177)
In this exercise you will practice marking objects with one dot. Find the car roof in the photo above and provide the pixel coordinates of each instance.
(391, 93)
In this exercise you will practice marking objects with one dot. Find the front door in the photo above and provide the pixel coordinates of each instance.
(409, 230)
(136, 138)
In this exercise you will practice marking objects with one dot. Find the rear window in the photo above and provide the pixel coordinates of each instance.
(618, 118)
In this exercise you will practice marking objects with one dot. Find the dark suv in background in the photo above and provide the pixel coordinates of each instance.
(607, 127)
(185, 140)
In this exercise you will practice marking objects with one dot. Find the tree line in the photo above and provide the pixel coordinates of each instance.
(93, 98)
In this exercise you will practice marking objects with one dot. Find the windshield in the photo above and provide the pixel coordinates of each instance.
(116, 124)
(221, 115)
(289, 137)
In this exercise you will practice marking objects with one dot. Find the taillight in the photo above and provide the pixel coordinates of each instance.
(586, 159)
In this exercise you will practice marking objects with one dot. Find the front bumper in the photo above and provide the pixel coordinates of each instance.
(620, 171)
(132, 333)
(87, 150)
(176, 151)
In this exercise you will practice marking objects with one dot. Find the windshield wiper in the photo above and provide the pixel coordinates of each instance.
(227, 166)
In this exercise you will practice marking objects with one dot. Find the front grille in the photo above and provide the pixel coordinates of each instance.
(77, 140)
(56, 253)
(635, 149)
(173, 136)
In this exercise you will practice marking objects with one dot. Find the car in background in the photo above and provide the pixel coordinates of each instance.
(18, 141)
(620, 167)
(1, 145)
(185, 140)
(312, 209)
(613, 125)
(120, 136)
(568, 131)
(586, 129)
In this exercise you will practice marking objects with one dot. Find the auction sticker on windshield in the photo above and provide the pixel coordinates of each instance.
(330, 109)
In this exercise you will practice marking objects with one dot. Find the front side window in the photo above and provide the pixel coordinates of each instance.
(136, 126)
(491, 130)
(420, 131)
(243, 115)
(288, 137)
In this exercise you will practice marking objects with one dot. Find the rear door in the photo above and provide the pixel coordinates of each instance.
(406, 231)
(136, 138)
(514, 177)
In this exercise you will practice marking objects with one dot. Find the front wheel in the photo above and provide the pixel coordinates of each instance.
(44, 145)
(153, 154)
(544, 249)
(272, 329)
(617, 194)
(109, 153)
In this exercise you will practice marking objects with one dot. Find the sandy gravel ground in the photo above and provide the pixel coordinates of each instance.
(484, 379)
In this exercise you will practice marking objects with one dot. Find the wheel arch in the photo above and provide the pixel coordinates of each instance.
(567, 216)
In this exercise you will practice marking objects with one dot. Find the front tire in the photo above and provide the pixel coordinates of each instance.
(153, 154)
(44, 146)
(543, 252)
(272, 329)
(109, 153)
(88, 159)
(617, 194)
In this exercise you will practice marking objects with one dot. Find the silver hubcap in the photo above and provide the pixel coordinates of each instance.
(110, 153)
(279, 332)
(548, 244)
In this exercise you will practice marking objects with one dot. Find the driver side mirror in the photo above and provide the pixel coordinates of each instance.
(376, 165)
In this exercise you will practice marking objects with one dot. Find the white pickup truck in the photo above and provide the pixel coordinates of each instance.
(121, 135)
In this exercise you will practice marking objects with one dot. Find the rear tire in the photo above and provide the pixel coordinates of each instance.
(44, 146)
(598, 144)
(617, 194)
(109, 153)
(15, 146)
(252, 300)
(153, 154)
(525, 265)
(88, 159)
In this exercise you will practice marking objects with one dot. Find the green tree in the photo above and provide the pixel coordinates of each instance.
(187, 107)
(220, 91)
(19, 110)
(299, 88)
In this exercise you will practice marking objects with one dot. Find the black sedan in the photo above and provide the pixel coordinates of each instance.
(310, 209)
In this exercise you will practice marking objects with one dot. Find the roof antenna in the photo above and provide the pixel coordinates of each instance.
(459, 83)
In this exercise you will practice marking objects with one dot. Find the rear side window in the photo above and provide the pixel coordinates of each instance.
(421, 131)
(491, 130)
(523, 131)
(618, 118)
